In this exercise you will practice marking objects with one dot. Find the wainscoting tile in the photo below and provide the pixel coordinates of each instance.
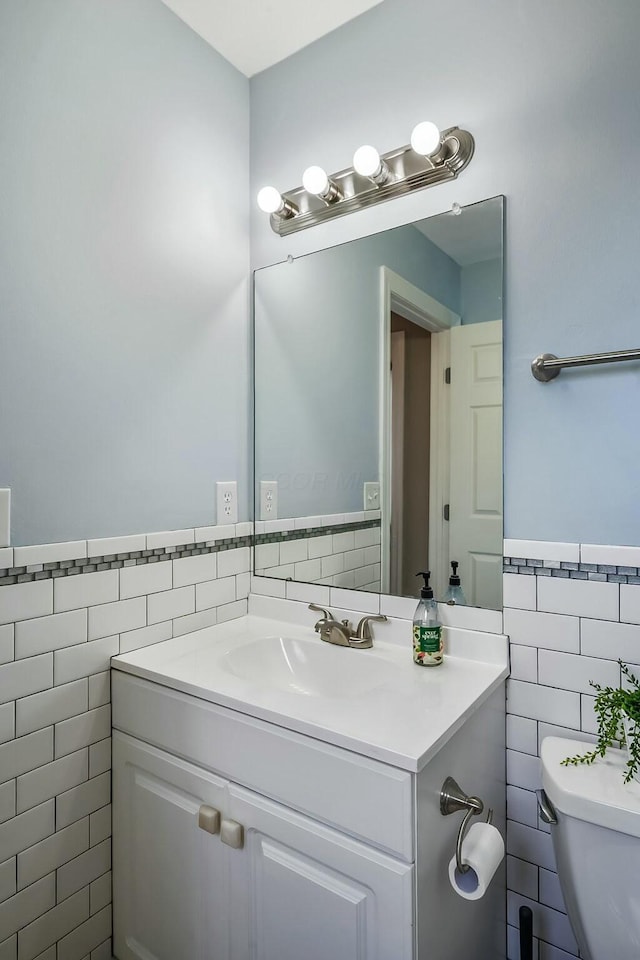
(542, 550)
(579, 598)
(568, 671)
(197, 569)
(544, 630)
(135, 639)
(543, 703)
(23, 677)
(49, 553)
(522, 734)
(615, 641)
(170, 538)
(614, 556)
(173, 603)
(85, 590)
(51, 779)
(23, 601)
(110, 618)
(518, 591)
(81, 731)
(109, 546)
(50, 633)
(73, 663)
(630, 603)
(7, 644)
(83, 800)
(146, 578)
(47, 855)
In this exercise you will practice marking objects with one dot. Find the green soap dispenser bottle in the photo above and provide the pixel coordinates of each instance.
(427, 630)
(454, 592)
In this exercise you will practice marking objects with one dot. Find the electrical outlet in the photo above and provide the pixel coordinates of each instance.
(227, 502)
(372, 495)
(268, 500)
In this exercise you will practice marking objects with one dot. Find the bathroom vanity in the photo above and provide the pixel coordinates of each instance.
(278, 798)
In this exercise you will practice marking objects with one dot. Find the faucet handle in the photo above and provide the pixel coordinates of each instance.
(327, 615)
(364, 630)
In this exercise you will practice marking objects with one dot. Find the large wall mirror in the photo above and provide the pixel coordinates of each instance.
(378, 396)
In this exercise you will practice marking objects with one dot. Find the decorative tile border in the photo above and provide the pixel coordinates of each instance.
(565, 569)
(71, 568)
(304, 533)
(115, 561)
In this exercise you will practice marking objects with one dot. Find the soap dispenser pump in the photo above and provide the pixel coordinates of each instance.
(427, 630)
(454, 592)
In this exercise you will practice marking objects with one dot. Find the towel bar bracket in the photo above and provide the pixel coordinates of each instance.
(547, 366)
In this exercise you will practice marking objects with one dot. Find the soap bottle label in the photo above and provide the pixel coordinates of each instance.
(427, 644)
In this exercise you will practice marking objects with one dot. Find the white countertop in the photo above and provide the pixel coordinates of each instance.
(375, 702)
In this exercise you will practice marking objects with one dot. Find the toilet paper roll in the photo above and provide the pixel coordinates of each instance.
(483, 851)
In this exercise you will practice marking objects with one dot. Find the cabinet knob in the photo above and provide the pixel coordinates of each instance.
(209, 819)
(232, 834)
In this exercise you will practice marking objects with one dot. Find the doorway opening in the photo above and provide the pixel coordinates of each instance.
(415, 433)
(410, 372)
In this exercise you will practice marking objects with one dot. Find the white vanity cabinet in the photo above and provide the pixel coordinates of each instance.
(171, 877)
(293, 888)
(319, 852)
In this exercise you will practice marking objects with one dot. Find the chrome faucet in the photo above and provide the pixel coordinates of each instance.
(342, 634)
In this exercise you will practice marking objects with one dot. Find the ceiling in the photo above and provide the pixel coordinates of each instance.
(255, 34)
(481, 238)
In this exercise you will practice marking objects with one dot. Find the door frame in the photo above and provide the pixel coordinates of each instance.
(402, 297)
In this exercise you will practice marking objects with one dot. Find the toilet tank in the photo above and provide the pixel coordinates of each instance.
(597, 847)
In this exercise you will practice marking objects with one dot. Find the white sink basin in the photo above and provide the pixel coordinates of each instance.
(374, 702)
(311, 668)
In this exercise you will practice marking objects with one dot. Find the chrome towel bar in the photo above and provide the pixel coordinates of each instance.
(547, 366)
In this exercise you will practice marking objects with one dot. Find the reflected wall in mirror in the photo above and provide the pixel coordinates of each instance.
(378, 394)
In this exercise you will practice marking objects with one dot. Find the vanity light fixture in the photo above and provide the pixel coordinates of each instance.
(432, 157)
(271, 201)
(316, 182)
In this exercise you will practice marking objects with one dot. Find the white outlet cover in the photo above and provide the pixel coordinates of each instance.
(372, 495)
(5, 517)
(226, 502)
(268, 500)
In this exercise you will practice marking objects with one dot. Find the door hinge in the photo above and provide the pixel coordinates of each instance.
(445, 511)
(447, 375)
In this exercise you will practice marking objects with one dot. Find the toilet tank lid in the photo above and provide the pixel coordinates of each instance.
(596, 793)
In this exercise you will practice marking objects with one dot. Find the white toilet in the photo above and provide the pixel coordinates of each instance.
(597, 845)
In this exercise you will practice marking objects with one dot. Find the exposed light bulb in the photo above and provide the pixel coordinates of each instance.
(366, 161)
(425, 138)
(271, 200)
(316, 181)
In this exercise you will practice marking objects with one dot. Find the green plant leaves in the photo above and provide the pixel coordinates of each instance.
(611, 705)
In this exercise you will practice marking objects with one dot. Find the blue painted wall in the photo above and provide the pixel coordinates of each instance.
(124, 258)
(549, 91)
(481, 291)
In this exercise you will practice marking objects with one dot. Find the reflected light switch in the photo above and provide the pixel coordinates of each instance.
(372, 495)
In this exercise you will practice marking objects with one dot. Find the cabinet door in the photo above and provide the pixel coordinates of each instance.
(170, 889)
(301, 890)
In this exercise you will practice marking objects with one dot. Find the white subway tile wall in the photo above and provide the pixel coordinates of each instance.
(563, 633)
(57, 635)
(349, 559)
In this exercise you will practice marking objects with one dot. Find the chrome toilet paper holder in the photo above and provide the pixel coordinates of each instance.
(452, 800)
